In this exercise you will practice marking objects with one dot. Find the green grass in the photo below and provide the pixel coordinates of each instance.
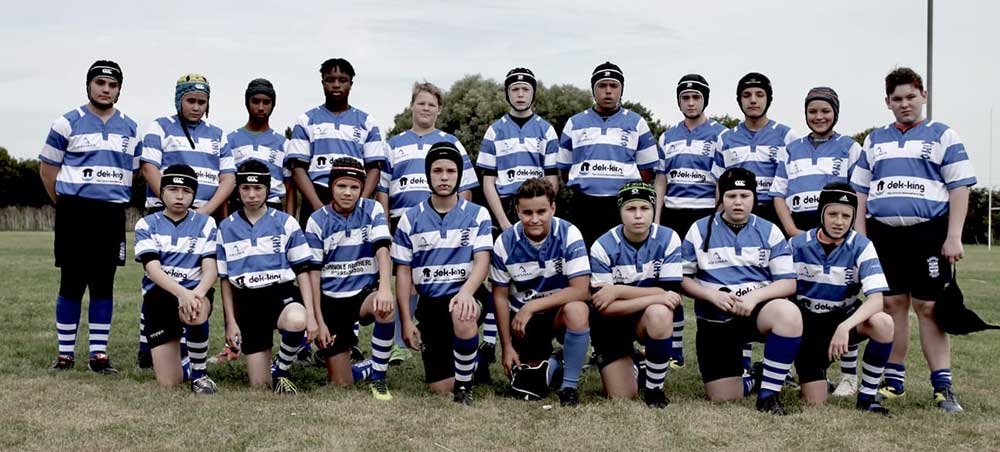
(77, 410)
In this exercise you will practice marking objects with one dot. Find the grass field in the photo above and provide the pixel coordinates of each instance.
(77, 410)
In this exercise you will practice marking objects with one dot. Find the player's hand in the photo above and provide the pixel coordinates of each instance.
(520, 321)
(411, 335)
(312, 328)
(504, 224)
(794, 231)
(722, 301)
(838, 344)
(384, 302)
(323, 338)
(604, 296)
(203, 210)
(742, 306)
(465, 305)
(953, 249)
(510, 360)
(188, 305)
(671, 299)
(233, 337)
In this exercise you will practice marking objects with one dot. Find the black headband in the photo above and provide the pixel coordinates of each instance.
(179, 180)
(254, 178)
(106, 71)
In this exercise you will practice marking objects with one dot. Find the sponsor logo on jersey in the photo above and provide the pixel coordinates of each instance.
(524, 173)
(717, 259)
(686, 176)
(899, 187)
(445, 275)
(601, 169)
(207, 176)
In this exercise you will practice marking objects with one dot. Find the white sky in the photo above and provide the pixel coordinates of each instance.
(849, 45)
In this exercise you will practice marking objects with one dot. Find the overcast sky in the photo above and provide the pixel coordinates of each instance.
(848, 45)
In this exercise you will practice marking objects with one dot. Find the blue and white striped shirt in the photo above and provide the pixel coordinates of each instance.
(343, 249)
(321, 136)
(404, 178)
(165, 144)
(758, 152)
(614, 261)
(828, 283)
(518, 153)
(907, 176)
(95, 159)
(801, 177)
(742, 263)
(602, 155)
(687, 164)
(268, 147)
(439, 250)
(179, 247)
(258, 255)
(537, 271)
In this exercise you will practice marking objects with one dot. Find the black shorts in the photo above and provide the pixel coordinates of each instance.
(805, 221)
(817, 331)
(438, 334)
(89, 232)
(766, 211)
(162, 322)
(612, 337)
(720, 345)
(340, 314)
(911, 257)
(536, 345)
(593, 215)
(680, 220)
(306, 210)
(257, 312)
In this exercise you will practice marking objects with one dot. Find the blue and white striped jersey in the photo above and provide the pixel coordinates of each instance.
(687, 164)
(602, 155)
(343, 248)
(321, 136)
(742, 263)
(258, 255)
(268, 147)
(808, 168)
(615, 261)
(758, 152)
(535, 271)
(828, 283)
(439, 250)
(179, 247)
(95, 159)
(907, 176)
(165, 144)
(403, 177)
(518, 153)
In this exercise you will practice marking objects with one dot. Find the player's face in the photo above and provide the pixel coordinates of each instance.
(425, 110)
(907, 104)
(753, 101)
(346, 192)
(337, 85)
(636, 217)
(737, 205)
(177, 199)
(536, 216)
(838, 219)
(253, 196)
(260, 107)
(819, 117)
(607, 93)
(444, 175)
(520, 95)
(194, 105)
(104, 91)
(691, 103)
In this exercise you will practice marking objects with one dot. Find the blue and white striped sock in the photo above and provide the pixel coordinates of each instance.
(779, 353)
(67, 320)
(872, 367)
(381, 348)
(895, 376)
(941, 379)
(291, 342)
(677, 339)
(99, 319)
(143, 344)
(466, 351)
(197, 349)
(849, 361)
(747, 356)
(657, 354)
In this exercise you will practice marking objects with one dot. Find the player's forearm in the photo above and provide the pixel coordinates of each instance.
(302, 180)
(315, 280)
(493, 198)
(860, 224)
(152, 176)
(291, 196)
(227, 302)
(305, 289)
(695, 290)
(781, 288)
(209, 273)
(384, 262)
(49, 173)
(625, 292)
(222, 192)
(873, 305)
(625, 307)
(660, 186)
(502, 312)
(371, 182)
(480, 267)
(958, 208)
(383, 199)
(404, 285)
(785, 215)
(578, 290)
(156, 274)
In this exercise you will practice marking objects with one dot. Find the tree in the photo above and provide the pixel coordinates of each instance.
(727, 121)
(20, 184)
(860, 136)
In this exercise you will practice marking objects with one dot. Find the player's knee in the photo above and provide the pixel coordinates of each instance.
(924, 309)
(896, 305)
(577, 315)
(295, 318)
(881, 326)
(385, 317)
(658, 321)
(464, 328)
(786, 318)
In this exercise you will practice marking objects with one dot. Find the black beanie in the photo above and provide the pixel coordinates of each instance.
(836, 193)
(754, 80)
(606, 71)
(443, 150)
(737, 178)
(347, 167)
(693, 82)
(260, 86)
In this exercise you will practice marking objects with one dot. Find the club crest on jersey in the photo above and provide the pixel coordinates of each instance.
(838, 164)
(772, 154)
(925, 149)
(849, 275)
(465, 237)
(762, 257)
